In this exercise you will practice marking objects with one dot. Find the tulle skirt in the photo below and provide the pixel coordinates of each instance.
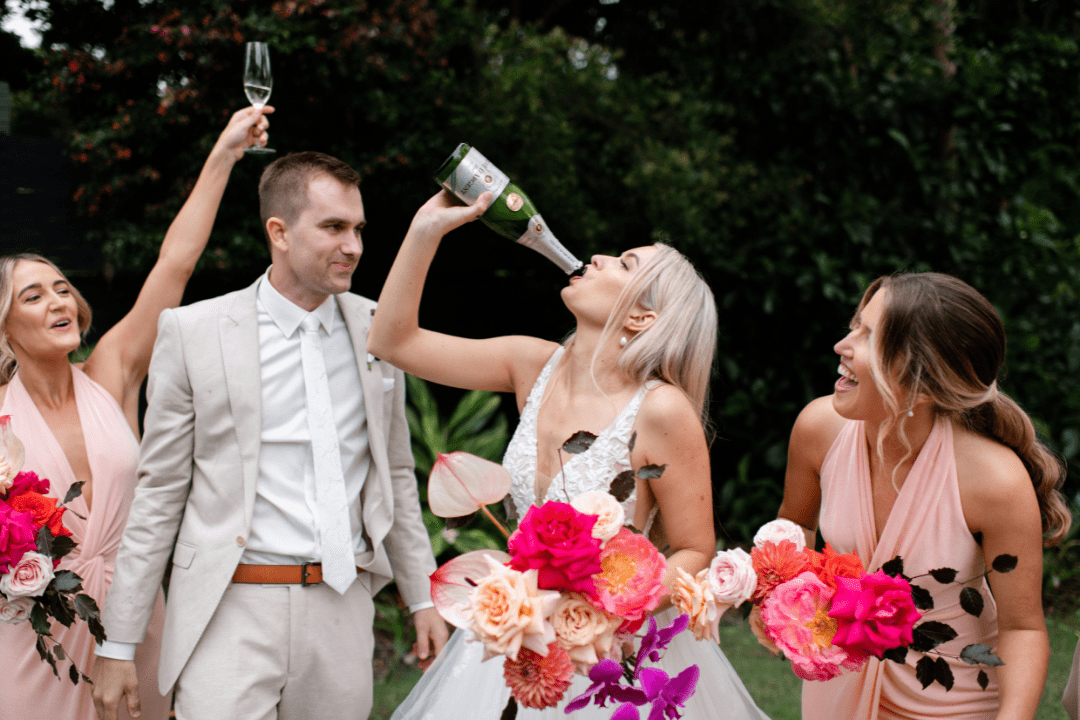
(459, 685)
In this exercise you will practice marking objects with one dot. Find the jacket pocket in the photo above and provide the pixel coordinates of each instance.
(183, 554)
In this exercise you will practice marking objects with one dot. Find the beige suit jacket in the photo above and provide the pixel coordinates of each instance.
(199, 463)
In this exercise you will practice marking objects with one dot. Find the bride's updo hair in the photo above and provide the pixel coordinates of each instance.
(941, 338)
(679, 347)
(8, 363)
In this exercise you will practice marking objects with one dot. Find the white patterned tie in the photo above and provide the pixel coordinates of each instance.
(335, 532)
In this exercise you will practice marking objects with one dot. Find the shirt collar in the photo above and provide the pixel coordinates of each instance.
(287, 315)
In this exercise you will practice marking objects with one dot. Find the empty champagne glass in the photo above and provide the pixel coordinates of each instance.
(258, 82)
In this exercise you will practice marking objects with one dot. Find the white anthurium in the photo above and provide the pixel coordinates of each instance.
(452, 583)
(12, 454)
(461, 483)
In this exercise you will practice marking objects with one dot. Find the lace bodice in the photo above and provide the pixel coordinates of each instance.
(593, 469)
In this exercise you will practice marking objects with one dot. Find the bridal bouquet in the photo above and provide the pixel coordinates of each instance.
(33, 539)
(572, 590)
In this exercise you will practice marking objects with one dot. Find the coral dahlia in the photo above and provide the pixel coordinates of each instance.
(539, 681)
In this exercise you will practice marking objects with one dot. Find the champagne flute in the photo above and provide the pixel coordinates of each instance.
(257, 82)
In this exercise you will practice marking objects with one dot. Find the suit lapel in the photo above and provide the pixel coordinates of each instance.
(376, 489)
(238, 330)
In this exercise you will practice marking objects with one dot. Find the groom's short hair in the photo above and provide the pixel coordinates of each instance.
(283, 188)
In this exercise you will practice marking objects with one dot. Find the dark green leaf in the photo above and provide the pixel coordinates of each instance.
(922, 598)
(73, 674)
(623, 485)
(633, 441)
(510, 711)
(894, 567)
(59, 650)
(983, 679)
(943, 575)
(1005, 563)
(924, 671)
(44, 541)
(971, 600)
(980, 655)
(61, 546)
(928, 635)
(67, 581)
(457, 522)
(943, 673)
(73, 492)
(59, 607)
(579, 442)
(39, 620)
(651, 472)
(896, 654)
(46, 654)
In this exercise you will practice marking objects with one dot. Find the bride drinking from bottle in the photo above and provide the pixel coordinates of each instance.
(638, 363)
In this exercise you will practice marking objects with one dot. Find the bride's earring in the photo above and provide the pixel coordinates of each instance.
(623, 341)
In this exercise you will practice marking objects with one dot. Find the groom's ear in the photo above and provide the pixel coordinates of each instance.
(275, 232)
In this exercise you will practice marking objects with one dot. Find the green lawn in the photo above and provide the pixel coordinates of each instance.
(775, 687)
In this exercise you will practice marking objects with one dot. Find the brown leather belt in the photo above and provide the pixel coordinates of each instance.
(306, 574)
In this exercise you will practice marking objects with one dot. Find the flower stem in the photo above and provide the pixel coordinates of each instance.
(492, 519)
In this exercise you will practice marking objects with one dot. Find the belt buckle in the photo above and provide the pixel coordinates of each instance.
(304, 572)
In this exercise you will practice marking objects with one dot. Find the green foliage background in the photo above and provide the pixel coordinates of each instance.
(794, 149)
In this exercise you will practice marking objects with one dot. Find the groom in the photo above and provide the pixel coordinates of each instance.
(273, 443)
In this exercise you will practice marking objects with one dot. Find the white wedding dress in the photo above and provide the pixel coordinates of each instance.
(459, 685)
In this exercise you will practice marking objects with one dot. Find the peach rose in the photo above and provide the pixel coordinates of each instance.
(609, 513)
(29, 578)
(584, 630)
(780, 529)
(692, 595)
(509, 612)
(757, 626)
(15, 610)
(731, 577)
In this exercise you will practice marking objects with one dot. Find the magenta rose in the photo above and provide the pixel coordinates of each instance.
(874, 613)
(16, 536)
(27, 482)
(556, 540)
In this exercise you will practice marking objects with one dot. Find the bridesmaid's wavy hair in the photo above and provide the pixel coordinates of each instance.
(941, 338)
(680, 346)
(8, 363)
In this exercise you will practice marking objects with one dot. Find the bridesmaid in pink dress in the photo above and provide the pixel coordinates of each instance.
(918, 454)
(79, 422)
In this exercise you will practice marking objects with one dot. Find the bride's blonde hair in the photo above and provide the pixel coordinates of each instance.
(8, 363)
(680, 345)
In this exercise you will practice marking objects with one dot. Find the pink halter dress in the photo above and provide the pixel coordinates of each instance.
(31, 689)
(927, 528)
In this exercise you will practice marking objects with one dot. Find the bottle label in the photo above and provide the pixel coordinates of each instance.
(540, 238)
(475, 175)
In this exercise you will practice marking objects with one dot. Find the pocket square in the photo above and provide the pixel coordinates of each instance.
(387, 384)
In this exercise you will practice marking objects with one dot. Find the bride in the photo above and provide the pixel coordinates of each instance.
(638, 363)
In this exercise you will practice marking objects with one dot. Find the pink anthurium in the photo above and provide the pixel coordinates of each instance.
(461, 483)
(454, 580)
(12, 454)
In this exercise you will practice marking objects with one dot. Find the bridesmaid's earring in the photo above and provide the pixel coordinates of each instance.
(911, 413)
(623, 341)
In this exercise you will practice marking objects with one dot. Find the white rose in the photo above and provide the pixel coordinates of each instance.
(15, 610)
(29, 578)
(731, 577)
(778, 530)
(608, 511)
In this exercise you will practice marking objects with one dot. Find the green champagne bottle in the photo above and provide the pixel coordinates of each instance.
(468, 174)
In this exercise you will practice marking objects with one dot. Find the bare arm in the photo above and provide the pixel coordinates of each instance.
(669, 433)
(122, 356)
(499, 364)
(999, 502)
(811, 437)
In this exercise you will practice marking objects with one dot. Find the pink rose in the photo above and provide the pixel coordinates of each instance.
(510, 612)
(780, 529)
(796, 618)
(16, 536)
(874, 613)
(731, 577)
(630, 582)
(29, 578)
(15, 610)
(609, 513)
(556, 540)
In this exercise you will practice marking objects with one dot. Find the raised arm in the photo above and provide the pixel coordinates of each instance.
(811, 437)
(122, 356)
(500, 364)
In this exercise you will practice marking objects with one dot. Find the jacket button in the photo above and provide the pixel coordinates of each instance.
(240, 540)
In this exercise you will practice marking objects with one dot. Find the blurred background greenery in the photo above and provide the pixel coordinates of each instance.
(793, 149)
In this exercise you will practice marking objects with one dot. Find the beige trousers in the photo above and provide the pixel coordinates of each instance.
(1072, 688)
(282, 652)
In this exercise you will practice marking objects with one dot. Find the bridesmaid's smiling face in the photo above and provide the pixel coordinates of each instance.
(44, 317)
(856, 394)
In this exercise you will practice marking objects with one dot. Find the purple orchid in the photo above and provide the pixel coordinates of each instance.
(605, 676)
(656, 641)
(668, 694)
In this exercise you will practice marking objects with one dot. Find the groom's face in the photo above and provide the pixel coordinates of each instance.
(324, 245)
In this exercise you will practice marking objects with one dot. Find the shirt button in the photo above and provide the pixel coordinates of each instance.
(240, 540)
